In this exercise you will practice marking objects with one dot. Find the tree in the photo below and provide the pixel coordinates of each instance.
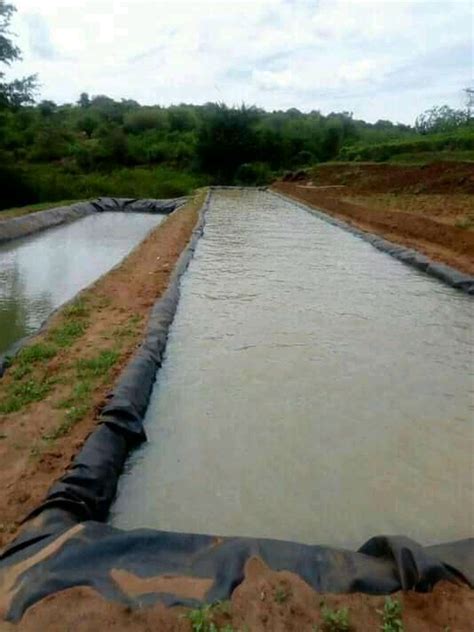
(47, 108)
(469, 95)
(440, 119)
(226, 139)
(20, 91)
(84, 101)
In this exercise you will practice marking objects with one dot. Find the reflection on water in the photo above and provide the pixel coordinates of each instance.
(39, 273)
(315, 389)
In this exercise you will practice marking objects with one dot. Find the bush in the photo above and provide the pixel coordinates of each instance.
(15, 186)
(461, 140)
(254, 173)
(51, 183)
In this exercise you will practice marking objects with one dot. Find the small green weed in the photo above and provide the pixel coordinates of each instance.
(335, 620)
(391, 616)
(20, 395)
(98, 366)
(67, 333)
(202, 619)
(281, 595)
(78, 309)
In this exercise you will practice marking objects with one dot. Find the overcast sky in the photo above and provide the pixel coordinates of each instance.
(379, 59)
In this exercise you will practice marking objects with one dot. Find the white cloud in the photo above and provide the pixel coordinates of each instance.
(380, 59)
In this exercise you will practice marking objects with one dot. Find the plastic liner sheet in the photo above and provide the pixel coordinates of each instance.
(441, 271)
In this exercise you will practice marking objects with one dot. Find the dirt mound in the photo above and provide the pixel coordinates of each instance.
(265, 600)
(439, 177)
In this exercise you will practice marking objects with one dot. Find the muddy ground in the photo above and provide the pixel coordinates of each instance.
(265, 601)
(92, 340)
(429, 208)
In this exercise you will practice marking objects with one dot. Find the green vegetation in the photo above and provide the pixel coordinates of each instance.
(143, 151)
(281, 595)
(202, 619)
(35, 353)
(335, 620)
(99, 366)
(24, 389)
(89, 373)
(77, 309)
(438, 144)
(391, 616)
(20, 394)
(66, 334)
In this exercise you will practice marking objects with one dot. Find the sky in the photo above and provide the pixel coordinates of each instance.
(380, 59)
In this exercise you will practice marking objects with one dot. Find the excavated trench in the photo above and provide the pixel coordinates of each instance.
(314, 389)
(41, 272)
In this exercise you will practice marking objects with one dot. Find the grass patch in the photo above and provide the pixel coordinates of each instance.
(89, 372)
(98, 366)
(78, 309)
(130, 328)
(20, 395)
(66, 334)
(35, 353)
(391, 616)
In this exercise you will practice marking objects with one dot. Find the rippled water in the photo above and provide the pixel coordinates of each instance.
(39, 273)
(315, 389)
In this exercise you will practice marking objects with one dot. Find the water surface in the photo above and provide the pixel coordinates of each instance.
(314, 389)
(40, 272)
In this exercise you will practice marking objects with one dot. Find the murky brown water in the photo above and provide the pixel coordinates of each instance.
(315, 389)
(39, 273)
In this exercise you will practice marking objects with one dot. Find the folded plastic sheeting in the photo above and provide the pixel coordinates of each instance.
(63, 543)
(96, 555)
(34, 222)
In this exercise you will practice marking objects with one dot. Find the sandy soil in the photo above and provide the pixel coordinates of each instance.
(119, 303)
(265, 600)
(429, 208)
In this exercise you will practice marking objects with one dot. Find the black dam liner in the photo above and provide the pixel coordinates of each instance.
(65, 543)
